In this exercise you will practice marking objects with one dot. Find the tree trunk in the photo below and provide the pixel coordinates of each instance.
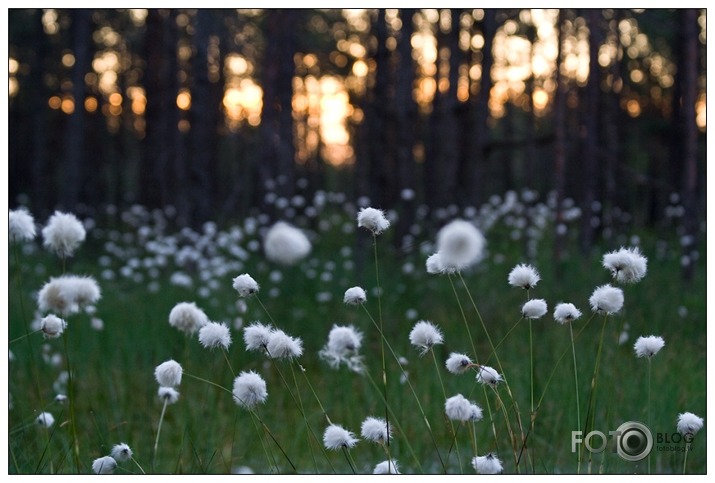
(559, 146)
(591, 141)
(72, 174)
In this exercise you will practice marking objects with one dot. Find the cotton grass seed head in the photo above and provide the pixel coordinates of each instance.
(375, 430)
(460, 245)
(336, 437)
(256, 336)
(488, 375)
(104, 465)
(343, 345)
(63, 234)
(689, 424)
(458, 363)
(459, 408)
(21, 225)
(249, 390)
(121, 452)
(488, 464)
(534, 309)
(373, 220)
(68, 294)
(355, 296)
(245, 285)
(434, 264)
(424, 335)
(387, 467)
(627, 265)
(169, 395)
(282, 346)
(52, 326)
(214, 335)
(648, 346)
(524, 276)
(45, 420)
(566, 312)
(286, 244)
(187, 317)
(606, 299)
(168, 373)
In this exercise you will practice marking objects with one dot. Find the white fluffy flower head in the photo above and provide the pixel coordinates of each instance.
(373, 220)
(121, 452)
(375, 430)
(214, 334)
(566, 312)
(256, 336)
(168, 394)
(168, 373)
(627, 265)
(534, 309)
(286, 244)
(355, 296)
(459, 408)
(606, 299)
(689, 424)
(245, 285)
(104, 465)
(282, 346)
(488, 375)
(524, 276)
(45, 420)
(425, 335)
(63, 234)
(387, 467)
(488, 464)
(187, 317)
(434, 264)
(648, 346)
(249, 390)
(21, 225)
(68, 294)
(343, 345)
(460, 245)
(458, 363)
(336, 437)
(52, 326)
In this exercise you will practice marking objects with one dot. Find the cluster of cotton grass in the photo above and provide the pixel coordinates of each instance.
(461, 246)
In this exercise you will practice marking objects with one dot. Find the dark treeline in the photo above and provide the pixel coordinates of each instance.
(128, 106)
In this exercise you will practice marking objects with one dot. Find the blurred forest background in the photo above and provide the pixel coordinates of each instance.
(219, 112)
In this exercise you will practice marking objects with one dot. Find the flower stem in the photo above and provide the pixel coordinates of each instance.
(270, 433)
(578, 405)
(138, 465)
(594, 384)
(533, 415)
(70, 395)
(451, 423)
(382, 345)
(685, 457)
(158, 433)
(649, 421)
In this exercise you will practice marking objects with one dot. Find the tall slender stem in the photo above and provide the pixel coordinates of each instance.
(532, 415)
(382, 344)
(158, 433)
(685, 457)
(70, 391)
(451, 423)
(578, 405)
(594, 384)
(649, 421)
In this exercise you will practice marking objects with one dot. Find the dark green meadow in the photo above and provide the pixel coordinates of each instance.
(134, 258)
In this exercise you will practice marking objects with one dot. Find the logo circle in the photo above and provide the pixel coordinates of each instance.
(634, 441)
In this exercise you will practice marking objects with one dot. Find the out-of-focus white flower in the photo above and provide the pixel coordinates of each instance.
(214, 334)
(286, 244)
(424, 335)
(168, 373)
(168, 394)
(689, 424)
(104, 465)
(355, 296)
(187, 317)
(460, 245)
(627, 265)
(458, 408)
(52, 326)
(245, 285)
(458, 363)
(63, 234)
(488, 464)
(121, 452)
(524, 276)
(534, 309)
(606, 299)
(566, 312)
(45, 420)
(375, 430)
(343, 346)
(434, 264)
(249, 390)
(373, 220)
(68, 294)
(387, 467)
(21, 225)
(336, 437)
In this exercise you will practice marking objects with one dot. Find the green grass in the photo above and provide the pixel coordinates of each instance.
(205, 432)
